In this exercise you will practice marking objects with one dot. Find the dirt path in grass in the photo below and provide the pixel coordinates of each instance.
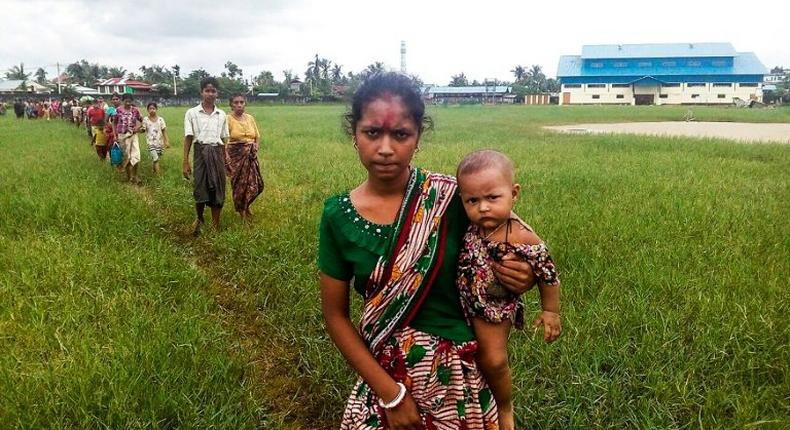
(268, 375)
(740, 131)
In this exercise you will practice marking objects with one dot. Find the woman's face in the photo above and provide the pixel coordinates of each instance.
(238, 104)
(386, 137)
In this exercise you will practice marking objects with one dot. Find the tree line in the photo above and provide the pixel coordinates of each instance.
(322, 79)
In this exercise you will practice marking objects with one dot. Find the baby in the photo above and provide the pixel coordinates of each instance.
(488, 192)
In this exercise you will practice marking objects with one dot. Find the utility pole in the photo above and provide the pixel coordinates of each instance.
(58, 65)
(175, 86)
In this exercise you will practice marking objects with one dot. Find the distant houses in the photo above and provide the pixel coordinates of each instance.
(123, 86)
(660, 73)
(64, 85)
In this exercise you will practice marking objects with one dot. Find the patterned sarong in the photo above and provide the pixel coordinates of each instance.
(245, 175)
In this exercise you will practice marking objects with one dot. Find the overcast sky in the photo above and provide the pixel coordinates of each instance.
(483, 39)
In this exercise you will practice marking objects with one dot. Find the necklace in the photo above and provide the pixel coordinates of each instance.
(496, 229)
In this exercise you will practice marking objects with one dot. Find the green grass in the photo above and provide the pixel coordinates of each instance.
(674, 255)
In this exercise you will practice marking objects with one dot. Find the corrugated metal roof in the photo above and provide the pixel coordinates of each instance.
(467, 90)
(658, 50)
(124, 81)
(744, 63)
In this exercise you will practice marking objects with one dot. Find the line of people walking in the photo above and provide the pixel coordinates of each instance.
(225, 146)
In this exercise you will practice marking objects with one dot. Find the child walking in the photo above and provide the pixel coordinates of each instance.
(155, 135)
(488, 192)
(100, 140)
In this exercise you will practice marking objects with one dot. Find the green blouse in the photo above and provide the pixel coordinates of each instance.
(350, 246)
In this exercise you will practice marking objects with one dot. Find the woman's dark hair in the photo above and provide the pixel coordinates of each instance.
(379, 84)
(230, 99)
(127, 96)
(148, 106)
(209, 80)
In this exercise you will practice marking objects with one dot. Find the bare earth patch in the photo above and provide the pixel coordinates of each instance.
(740, 131)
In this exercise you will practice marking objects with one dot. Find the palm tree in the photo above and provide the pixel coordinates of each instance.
(337, 73)
(325, 66)
(313, 70)
(519, 71)
(17, 72)
(374, 68)
(116, 72)
(41, 76)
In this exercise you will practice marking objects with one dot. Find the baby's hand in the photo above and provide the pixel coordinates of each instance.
(551, 325)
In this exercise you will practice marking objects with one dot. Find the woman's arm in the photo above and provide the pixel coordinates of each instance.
(514, 274)
(335, 308)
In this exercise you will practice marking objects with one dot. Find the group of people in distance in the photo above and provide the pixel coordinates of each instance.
(117, 124)
(441, 263)
(34, 109)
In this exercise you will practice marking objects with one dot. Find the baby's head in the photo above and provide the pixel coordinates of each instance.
(487, 188)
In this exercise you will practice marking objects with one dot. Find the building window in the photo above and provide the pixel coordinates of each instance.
(645, 64)
(747, 84)
(718, 63)
(621, 85)
(620, 64)
(620, 96)
(669, 64)
(694, 63)
(596, 85)
(695, 84)
(662, 96)
(596, 65)
(596, 96)
(723, 84)
(572, 85)
(670, 85)
(694, 96)
(721, 96)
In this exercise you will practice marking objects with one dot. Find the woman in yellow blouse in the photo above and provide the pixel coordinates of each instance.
(242, 157)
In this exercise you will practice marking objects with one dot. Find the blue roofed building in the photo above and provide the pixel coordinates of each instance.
(660, 73)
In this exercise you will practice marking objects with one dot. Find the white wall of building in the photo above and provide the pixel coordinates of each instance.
(685, 93)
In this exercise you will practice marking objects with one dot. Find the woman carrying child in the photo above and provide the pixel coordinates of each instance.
(395, 239)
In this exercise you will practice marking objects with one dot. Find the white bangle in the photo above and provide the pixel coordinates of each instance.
(397, 400)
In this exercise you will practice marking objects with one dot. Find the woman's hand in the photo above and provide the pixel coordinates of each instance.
(514, 274)
(405, 416)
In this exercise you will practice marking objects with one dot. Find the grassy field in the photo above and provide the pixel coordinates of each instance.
(674, 255)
